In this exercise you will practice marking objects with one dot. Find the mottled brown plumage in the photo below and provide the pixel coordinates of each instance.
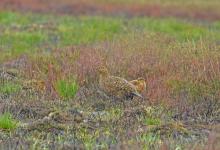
(140, 84)
(116, 86)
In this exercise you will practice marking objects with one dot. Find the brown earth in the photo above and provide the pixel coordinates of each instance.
(128, 9)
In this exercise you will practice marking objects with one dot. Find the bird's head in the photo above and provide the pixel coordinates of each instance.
(138, 81)
(142, 84)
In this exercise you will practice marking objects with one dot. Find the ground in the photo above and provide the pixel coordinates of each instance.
(50, 53)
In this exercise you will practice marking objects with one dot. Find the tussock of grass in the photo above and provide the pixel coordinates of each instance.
(150, 140)
(66, 89)
(152, 121)
(6, 121)
(9, 88)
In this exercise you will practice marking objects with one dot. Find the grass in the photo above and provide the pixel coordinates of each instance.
(181, 30)
(66, 89)
(150, 141)
(152, 121)
(195, 90)
(29, 32)
(10, 88)
(7, 122)
(73, 31)
(182, 3)
(20, 42)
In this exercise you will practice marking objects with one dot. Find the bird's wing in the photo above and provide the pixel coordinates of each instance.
(112, 84)
(122, 84)
(119, 83)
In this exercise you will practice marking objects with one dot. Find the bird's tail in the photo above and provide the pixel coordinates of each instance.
(137, 94)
